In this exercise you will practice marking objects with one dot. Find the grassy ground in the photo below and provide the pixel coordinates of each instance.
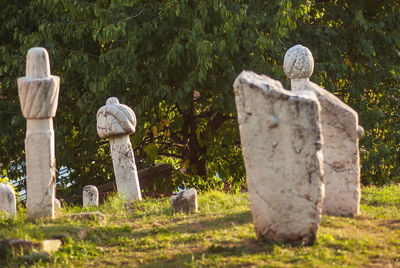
(148, 234)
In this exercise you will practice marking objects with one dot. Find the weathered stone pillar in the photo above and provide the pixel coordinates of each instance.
(281, 144)
(90, 196)
(8, 202)
(340, 131)
(116, 122)
(38, 95)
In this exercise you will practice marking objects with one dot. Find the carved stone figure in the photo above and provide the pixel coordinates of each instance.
(38, 96)
(340, 131)
(90, 196)
(281, 144)
(116, 122)
(8, 203)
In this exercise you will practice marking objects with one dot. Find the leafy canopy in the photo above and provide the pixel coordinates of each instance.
(174, 62)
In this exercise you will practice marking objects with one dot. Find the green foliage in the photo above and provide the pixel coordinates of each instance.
(174, 63)
(382, 202)
(356, 50)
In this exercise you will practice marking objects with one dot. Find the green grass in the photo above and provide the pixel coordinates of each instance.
(148, 234)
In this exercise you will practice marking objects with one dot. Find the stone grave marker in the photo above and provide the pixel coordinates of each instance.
(90, 196)
(8, 202)
(185, 201)
(340, 131)
(38, 96)
(281, 144)
(57, 206)
(116, 122)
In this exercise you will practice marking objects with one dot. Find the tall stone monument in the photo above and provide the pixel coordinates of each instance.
(38, 96)
(340, 131)
(116, 122)
(8, 202)
(281, 144)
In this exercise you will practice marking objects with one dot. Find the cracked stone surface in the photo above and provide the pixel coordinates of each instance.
(90, 196)
(340, 131)
(298, 62)
(117, 121)
(281, 144)
(8, 203)
(38, 95)
(185, 201)
(38, 90)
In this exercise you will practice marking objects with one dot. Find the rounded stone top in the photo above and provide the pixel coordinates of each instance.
(298, 62)
(115, 119)
(112, 100)
(90, 188)
(37, 63)
(7, 200)
(5, 187)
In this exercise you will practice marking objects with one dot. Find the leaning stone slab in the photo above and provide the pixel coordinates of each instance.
(281, 144)
(90, 196)
(38, 96)
(8, 203)
(116, 122)
(340, 131)
(185, 201)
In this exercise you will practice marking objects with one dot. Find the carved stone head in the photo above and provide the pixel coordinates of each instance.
(38, 90)
(115, 119)
(298, 62)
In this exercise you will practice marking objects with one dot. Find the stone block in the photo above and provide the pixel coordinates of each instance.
(8, 203)
(90, 196)
(185, 201)
(281, 144)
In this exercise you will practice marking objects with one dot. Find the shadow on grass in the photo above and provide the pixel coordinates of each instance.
(65, 231)
(391, 224)
(246, 247)
(222, 222)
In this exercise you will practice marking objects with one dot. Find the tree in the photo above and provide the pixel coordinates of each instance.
(174, 63)
(358, 59)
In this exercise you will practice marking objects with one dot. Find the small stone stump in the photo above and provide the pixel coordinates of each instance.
(185, 201)
(281, 144)
(116, 122)
(57, 206)
(8, 203)
(90, 196)
(340, 131)
(38, 96)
